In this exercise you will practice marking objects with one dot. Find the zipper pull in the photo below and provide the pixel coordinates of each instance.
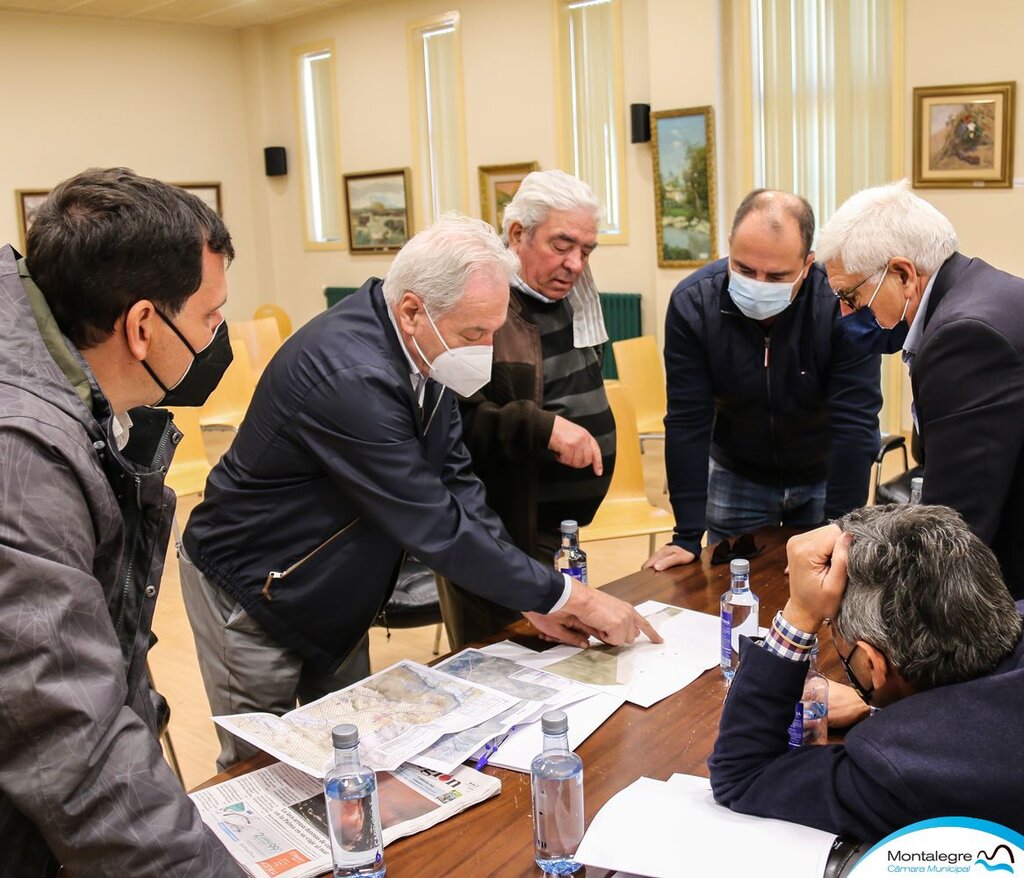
(767, 349)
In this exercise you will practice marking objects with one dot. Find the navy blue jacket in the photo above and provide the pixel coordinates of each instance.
(968, 380)
(335, 472)
(791, 406)
(939, 753)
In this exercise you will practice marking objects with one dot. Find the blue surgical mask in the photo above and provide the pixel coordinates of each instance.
(863, 328)
(758, 299)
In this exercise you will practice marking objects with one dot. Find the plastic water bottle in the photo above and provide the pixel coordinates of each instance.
(353, 812)
(810, 719)
(740, 615)
(556, 781)
(570, 558)
(916, 489)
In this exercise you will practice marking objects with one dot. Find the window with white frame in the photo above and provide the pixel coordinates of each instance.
(437, 65)
(318, 136)
(590, 57)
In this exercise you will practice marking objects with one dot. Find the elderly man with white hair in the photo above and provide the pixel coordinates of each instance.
(892, 260)
(349, 457)
(541, 433)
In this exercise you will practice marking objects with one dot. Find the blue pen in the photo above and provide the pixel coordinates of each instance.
(491, 747)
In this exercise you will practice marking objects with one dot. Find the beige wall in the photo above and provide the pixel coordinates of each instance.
(166, 101)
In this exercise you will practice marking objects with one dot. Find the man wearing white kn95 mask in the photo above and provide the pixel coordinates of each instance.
(350, 457)
(772, 409)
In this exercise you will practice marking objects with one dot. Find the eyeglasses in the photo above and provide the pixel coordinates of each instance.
(865, 694)
(847, 297)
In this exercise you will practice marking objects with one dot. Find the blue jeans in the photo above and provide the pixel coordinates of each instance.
(739, 506)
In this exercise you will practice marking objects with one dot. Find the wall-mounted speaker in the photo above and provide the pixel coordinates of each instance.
(275, 160)
(640, 122)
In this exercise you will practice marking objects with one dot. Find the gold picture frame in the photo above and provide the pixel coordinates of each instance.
(963, 136)
(498, 185)
(378, 209)
(685, 209)
(208, 193)
(28, 202)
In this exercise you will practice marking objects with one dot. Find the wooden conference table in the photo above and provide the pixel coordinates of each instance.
(495, 838)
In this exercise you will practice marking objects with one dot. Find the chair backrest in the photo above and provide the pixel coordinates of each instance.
(642, 372)
(628, 479)
(261, 338)
(190, 467)
(284, 322)
(230, 398)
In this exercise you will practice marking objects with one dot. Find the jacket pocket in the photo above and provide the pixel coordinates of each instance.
(276, 576)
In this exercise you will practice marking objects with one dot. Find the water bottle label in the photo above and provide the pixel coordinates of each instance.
(796, 728)
(356, 832)
(579, 573)
(726, 638)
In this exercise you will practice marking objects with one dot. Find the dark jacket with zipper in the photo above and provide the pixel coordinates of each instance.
(83, 532)
(335, 473)
(791, 405)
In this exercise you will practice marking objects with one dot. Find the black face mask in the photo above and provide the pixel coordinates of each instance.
(203, 374)
(863, 329)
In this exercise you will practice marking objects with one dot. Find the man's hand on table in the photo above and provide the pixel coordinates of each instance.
(592, 612)
(669, 556)
(817, 577)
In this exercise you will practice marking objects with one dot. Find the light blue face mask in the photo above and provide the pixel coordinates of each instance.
(758, 299)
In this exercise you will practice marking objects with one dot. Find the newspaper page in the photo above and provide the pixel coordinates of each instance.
(399, 711)
(274, 820)
(537, 691)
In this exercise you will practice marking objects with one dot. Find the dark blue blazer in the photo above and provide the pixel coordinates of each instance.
(945, 752)
(334, 475)
(968, 380)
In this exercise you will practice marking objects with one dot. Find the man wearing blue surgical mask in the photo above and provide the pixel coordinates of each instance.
(892, 261)
(772, 410)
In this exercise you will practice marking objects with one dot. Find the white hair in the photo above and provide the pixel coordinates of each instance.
(873, 226)
(437, 263)
(544, 191)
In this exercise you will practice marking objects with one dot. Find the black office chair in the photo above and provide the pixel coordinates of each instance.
(414, 601)
(897, 489)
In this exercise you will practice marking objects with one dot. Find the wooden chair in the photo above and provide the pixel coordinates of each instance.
(226, 406)
(284, 322)
(261, 338)
(625, 510)
(190, 466)
(642, 373)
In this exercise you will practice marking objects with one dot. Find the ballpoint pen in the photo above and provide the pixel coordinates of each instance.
(491, 747)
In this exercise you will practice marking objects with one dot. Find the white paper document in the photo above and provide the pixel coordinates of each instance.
(537, 690)
(643, 673)
(274, 820)
(399, 711)
(673, 827)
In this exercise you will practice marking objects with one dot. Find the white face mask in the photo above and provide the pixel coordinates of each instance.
(465, 370)
(759, 299)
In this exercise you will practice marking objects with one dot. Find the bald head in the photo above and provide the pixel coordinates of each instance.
(779, 214)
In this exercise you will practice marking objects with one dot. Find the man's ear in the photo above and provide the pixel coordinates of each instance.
(515, 233)
(904, 269)
(878, 665)
(138, 325)
(406, 311)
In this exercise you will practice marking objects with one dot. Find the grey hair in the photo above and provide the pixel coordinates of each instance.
(544, 191)
(873, 226)
(927, 593)
(437, 263)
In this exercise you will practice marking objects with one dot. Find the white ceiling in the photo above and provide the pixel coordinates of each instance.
(212, 13)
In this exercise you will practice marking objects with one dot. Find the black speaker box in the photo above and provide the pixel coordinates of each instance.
(275, 161)
(640, 122)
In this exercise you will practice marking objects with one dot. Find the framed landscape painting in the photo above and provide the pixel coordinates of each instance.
(28, 203)
(207, 192)
(683, 149)
(963, 136)
(498, 185)
(379, 210)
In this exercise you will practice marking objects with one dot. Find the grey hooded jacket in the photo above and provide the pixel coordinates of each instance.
(83, 532)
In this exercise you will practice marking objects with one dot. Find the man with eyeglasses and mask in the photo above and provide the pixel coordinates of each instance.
(115, 308)
(349, 457)
(927, 630)
(892, 260)
(772, 410)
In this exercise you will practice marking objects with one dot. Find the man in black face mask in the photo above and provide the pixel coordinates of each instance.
(892, 260)
(116, 307)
